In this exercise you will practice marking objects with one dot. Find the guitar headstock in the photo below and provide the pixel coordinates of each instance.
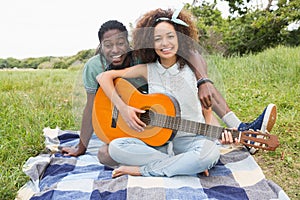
(259, 140)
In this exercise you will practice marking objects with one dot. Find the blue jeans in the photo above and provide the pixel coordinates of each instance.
(191, 155)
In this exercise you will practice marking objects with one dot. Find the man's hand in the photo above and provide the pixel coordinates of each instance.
(206, 93)
(72, 151)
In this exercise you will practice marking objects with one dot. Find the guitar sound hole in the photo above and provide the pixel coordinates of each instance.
(146, 117)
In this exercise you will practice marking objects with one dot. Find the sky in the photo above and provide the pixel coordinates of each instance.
(37, 28)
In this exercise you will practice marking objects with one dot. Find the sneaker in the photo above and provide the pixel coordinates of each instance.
(263, 123)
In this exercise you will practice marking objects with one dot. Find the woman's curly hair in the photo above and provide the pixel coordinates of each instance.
(143, 35)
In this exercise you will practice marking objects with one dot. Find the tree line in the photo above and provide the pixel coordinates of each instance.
(49, 62)
(248, 28)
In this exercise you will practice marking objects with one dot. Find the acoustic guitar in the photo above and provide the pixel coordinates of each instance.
(163, 120)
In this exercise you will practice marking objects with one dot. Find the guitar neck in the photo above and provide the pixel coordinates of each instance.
(179, 124)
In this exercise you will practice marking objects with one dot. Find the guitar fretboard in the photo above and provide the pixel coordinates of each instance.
(179, 124)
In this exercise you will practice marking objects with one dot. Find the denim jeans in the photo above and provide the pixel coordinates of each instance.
(191, 155)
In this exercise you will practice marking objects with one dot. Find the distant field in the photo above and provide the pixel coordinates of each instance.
(34, 99)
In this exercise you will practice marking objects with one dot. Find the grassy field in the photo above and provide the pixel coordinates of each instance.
(34, 99)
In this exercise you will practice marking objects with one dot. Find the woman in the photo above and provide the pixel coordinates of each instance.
(167, 71)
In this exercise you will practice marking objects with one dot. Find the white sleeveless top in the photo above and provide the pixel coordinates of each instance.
(181, 84)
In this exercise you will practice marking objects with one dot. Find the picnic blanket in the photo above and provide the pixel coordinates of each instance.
(53, 176)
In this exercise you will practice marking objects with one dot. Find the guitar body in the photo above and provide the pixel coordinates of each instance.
(108, 123)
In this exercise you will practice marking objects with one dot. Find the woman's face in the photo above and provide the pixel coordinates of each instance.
(165, 41)
(114, 46)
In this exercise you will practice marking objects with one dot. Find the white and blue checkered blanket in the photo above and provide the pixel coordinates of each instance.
(237, 176)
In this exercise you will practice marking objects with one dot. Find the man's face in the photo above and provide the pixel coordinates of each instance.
(114, 47)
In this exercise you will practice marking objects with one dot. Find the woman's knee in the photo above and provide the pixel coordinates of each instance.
(211, 154)
(120, 146)
(214, 156)
(125, 141)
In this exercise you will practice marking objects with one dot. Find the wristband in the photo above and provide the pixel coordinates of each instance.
(203, 80)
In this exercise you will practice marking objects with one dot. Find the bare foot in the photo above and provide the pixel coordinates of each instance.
(206, 173)
(129, 170)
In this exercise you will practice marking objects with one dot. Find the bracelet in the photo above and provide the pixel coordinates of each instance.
(203, 80)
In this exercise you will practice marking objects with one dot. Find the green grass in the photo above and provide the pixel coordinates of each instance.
(30, 101)
(250, 83)
(34, 99)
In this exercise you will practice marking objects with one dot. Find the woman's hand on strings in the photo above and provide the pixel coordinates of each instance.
(130, 116)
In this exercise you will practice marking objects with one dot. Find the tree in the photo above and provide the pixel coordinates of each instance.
(12, 63)
(3, 63)
(249, 28)
(260, 29)
(210, 25)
